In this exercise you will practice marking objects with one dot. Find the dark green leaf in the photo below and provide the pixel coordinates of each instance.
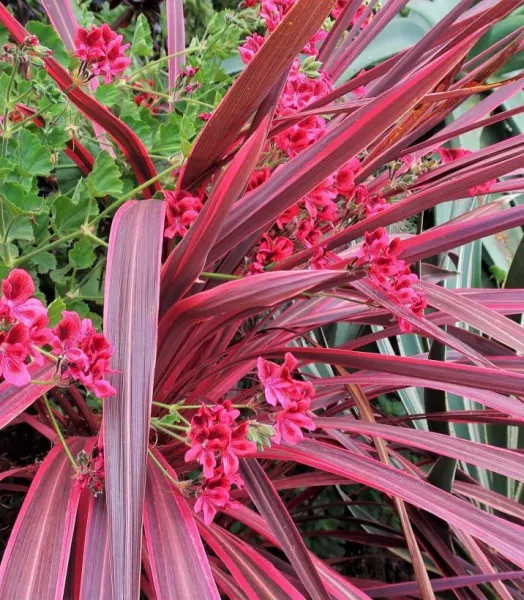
(142, 44)
(82, 255)
(20, 201)
(44, 262)
(54, 311)
(34, 158)
(69, 216)
(104, 179)
(108, 94)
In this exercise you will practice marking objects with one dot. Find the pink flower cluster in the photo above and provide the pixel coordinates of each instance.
(102, 52)
(293, 396)
(216, 435)
(86, 353)
(182, 210)
(389, 273)
(24, 329)
(337, 198)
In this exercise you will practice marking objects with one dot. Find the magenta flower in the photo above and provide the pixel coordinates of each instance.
(205, 444)
(13, 352)
(277, 380)
(16, 303)
(182, 210)
(213, 494)
(289, 425)
(101, 49)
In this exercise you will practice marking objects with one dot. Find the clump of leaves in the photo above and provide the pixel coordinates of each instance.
(240, 236)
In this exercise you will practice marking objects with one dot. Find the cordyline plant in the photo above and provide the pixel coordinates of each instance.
(220, 431)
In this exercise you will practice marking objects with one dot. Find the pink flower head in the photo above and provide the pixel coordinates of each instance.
(298, 137)
(277, 380)
(182, 210)
(16, 303)
(204, 446)
(87, 353)
(213, 494)
(345, 177)
(238, 446)
(274, 250)
(102, 49)
(250, 47)
(290, 422)
(322, 259)
(13, 352)
(308, 232)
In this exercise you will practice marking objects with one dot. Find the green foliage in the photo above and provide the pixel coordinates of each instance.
(33, 157)
(105, 178)
(142, 44)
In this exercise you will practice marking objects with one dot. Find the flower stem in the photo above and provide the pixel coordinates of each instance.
(221, 276)
(180, 486)
(162, 59)
(112, 207)
(59, 433)
(167, 432)
(5, 122)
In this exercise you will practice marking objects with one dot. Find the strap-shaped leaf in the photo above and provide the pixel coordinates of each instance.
(36, 559)
(130, 322)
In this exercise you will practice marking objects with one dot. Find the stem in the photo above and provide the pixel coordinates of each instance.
(47, 354)
(193, 101)
(167, 432)
(59, 433)
(5, 123)
(130, 194)
(156, 422)
(29, 255)
(221, 276)
(162, 59)
(165, 472)
(95, 239)
(42, 382)
(147, 91)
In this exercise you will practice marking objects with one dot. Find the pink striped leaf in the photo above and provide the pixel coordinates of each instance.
(419, 323)
(179, 564)
(509, 406)
(338, 586)
(252, 86)
(272, 508)
(36, 558)
(257, 577)
(433, 370)
(344, 141)
(176, 39)
(399, 590)
(14, 400)
(475, 314)
(499, 460)
(452, 235)
(130, 322)
(501, 535)
(96, 575)
(190, 256)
